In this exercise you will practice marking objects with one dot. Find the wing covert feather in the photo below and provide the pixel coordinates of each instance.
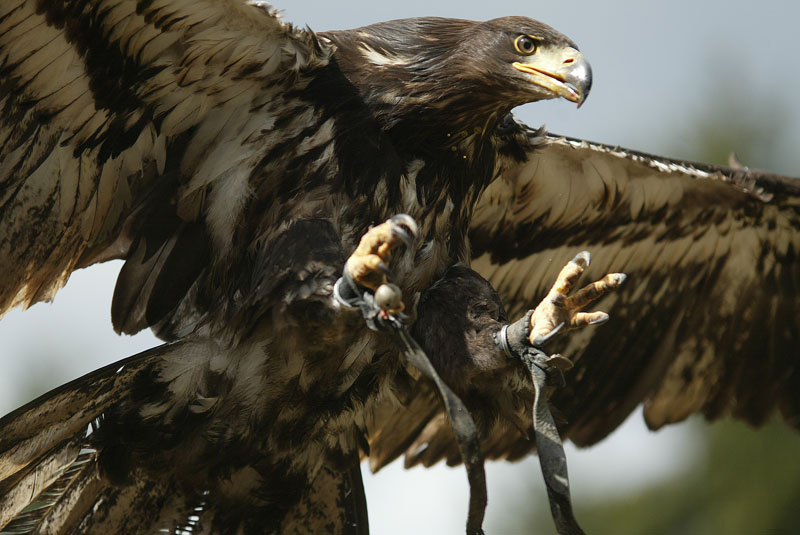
(101, 98)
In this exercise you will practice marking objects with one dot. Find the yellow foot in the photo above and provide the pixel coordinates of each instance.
(559, 310)
(368, 266)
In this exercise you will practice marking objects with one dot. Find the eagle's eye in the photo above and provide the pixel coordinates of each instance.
(525, 44)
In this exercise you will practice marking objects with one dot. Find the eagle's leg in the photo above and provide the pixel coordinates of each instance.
(365, 284)
(462, 327)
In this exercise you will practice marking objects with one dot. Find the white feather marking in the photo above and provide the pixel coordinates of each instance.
(184, 368)
(660, 165)
(382, 60)
(225, 202)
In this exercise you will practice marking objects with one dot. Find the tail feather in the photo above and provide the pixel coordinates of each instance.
(58, 464)
(32, 432)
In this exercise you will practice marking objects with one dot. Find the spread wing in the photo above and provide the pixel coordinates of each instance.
(107, 102)
(51, 482)
(128, 129)
(708, 320)
(45, 457)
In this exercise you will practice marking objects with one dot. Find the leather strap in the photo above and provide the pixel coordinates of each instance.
(466, 433)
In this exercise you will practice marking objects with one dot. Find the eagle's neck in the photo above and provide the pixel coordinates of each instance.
(449, 152)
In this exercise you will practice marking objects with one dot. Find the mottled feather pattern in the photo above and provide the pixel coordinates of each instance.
(95, 93)
(713, 258)
(234, 162)
(707, 321)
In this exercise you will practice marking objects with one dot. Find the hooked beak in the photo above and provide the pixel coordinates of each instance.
(564, 72)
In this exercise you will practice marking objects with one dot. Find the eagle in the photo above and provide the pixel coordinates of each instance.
(237, 164)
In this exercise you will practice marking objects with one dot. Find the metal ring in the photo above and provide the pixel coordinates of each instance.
(504, 342)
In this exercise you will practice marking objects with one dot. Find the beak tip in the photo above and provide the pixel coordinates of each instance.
(584, 95)
(580, 77)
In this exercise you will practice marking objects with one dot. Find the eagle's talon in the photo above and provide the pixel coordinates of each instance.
(368, 272)
(559, 362)
(386, 271)
(559, 309)
(600, 319)
(583, 259)
(368, 266)
(541, 340)
(406, 228)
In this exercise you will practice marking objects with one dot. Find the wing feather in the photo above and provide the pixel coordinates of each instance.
(98, 98)
(51, 479)
(708, 320)
(43, 455)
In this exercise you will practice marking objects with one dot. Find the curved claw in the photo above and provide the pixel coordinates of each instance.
(560, 310)
(600, 319)
(383, 267)
(540, 340)
(583, 259)
(559, 362)
(405, 228)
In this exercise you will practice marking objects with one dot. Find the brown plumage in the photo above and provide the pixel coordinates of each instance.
(234, 162)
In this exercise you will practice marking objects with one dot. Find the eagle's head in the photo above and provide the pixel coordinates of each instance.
(458, 74)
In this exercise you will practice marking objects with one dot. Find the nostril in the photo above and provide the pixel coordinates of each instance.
(568, 61)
